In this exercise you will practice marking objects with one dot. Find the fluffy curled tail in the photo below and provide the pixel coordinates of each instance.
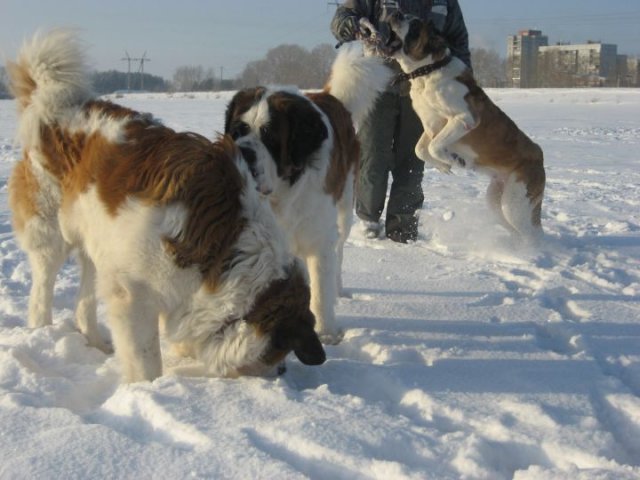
(357, 80)
(49, 74)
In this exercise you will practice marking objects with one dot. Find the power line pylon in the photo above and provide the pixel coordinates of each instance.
(128, 59)
(141, 68)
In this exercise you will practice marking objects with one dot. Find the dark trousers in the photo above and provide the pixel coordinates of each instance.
(388, 138)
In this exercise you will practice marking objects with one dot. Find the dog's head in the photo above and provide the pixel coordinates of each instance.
(414, 39)
(289, 126)
(281, 314)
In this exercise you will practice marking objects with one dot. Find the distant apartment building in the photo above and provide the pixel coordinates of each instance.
(522, 58)
(591, 64)
(633, 73)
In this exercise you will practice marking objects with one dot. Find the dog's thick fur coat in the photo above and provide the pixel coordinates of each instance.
(463, 127)
(167, 225)
(315, 151)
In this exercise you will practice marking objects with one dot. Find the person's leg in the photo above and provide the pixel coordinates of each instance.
(376, 156)
(406, 197)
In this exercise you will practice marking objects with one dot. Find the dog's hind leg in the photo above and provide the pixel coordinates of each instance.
(86, 306)
(133, 318)
(34, 212)
(45, 263)
(494, 201)
(522, 210)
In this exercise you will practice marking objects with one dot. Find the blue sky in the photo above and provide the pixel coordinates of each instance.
(229, 33)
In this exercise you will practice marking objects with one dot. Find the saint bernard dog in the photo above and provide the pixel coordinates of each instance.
(309, 176)
(463, 127)
(168, 228)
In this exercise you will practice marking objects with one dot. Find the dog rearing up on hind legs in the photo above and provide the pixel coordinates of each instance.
(463, 127)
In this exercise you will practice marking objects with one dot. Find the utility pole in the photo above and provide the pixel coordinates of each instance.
(128, 60)
(141, 69)
(221, 70)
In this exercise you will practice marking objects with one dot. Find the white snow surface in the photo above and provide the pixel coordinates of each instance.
(464, 356)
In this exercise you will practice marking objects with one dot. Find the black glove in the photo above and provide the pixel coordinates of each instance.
(348, 29)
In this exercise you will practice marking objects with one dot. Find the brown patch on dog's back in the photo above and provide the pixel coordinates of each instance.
(497, 140)
(114, 111)
(165, 167)
(346, 148)
(157, 166)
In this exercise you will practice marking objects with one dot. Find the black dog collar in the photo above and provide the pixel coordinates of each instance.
(422, 71)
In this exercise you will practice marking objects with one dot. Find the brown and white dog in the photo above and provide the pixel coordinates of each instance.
(314, 151)
(167, 225)
(462, 126)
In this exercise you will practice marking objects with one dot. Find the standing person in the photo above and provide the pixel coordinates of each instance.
(389, 135)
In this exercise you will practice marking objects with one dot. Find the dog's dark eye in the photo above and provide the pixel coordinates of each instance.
(239, 129)
(264, 130)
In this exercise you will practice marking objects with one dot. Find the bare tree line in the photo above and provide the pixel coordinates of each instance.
(283, 65)
(290, 65)
(489, 68)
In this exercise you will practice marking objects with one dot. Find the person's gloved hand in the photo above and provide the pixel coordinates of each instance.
(348, 29)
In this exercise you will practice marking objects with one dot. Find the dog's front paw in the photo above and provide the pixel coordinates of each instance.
(442, 167)
(438, 165)
(441, 154)
(459, 160)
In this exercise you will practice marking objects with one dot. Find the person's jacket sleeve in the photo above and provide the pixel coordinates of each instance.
(455, 32)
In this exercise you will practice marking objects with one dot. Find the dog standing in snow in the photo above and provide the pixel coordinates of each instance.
(168, 226)
(309, 176)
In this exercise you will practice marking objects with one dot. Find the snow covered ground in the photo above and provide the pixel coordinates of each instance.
(463, 358)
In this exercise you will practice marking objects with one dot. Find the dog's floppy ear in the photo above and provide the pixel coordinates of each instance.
(229, 114)
(306, 133)
(422, 40)
(436, 44)
(242, 101)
